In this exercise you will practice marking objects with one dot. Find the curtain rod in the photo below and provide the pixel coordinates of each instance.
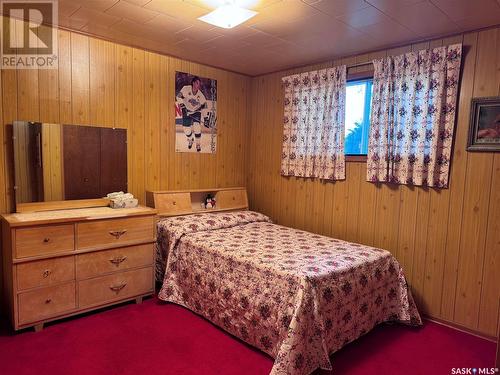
(347, 66)
(359, 64)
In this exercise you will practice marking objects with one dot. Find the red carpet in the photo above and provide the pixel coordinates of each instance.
(155, 338)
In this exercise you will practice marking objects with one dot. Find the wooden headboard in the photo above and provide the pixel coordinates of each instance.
(185, 202)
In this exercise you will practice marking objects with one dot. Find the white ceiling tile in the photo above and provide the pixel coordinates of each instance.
(259, 38)
(93, 16)
(388, 5)
(67, 8)
(387, 33)
(168, 24)
(463, 9)
(472, 23)
(198, 34)
(413, 16)
(287, 10)
(339, 7)
(237, 32)
(98, 5)
(146, 32)
(72, 24)
(133, 12)
(310, 2)
(363, 17)
(281, 27)
(256, 5)
(330, 32)
(176, 9)
(137, 2)
(225, 43)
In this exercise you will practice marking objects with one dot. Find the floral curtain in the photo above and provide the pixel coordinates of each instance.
(313, 134)
(413, 116)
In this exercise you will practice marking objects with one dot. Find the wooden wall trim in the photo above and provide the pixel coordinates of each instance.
(460, 328)
(356, 158)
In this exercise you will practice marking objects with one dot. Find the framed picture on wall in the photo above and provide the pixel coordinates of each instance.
(195, 113)
(484, 131)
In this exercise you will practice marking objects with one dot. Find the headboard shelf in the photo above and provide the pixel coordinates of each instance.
(186, 202)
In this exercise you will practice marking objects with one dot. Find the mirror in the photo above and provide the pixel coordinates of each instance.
(54, 162)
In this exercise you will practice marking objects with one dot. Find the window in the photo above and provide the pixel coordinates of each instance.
(357, 116)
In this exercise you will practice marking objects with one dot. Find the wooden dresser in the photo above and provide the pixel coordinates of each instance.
(64, 262)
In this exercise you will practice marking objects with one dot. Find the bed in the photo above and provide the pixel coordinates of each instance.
(295, 295)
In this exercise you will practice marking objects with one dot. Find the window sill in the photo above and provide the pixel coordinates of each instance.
(356, 158)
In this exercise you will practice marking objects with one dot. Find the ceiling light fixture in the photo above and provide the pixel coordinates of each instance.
(228, 15)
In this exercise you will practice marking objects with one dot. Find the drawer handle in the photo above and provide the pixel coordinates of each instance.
(48, 300)
(117, 233)
(117, 288)
(46, 273)
(117, 260)
(46, 240)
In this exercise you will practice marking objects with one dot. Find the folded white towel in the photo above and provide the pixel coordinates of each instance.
(120, 199)
(124, 203)
(115, 194)
(120, 195)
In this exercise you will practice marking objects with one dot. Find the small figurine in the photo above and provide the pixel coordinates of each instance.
(209, 202)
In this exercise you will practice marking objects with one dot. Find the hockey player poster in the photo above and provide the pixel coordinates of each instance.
(195, 113)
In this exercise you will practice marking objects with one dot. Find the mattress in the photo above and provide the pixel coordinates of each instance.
(295, 295)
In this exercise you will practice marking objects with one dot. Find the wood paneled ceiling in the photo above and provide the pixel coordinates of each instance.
(284, 34)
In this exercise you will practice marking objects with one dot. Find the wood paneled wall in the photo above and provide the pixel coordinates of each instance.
(448, 241)
(106, 84)
(53, 186)
(53, 174)
(24, 165)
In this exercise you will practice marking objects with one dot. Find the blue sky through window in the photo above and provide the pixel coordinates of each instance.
(357, 116)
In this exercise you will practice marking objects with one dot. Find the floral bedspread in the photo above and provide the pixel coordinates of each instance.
(295, 295)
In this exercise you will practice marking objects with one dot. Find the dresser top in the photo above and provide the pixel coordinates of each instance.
(80, 214)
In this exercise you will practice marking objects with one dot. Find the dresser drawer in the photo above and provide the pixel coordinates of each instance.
(46, 302)
(104, 289)
(45, 272)
(44, 240)
(102, 262)
(93, 234)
